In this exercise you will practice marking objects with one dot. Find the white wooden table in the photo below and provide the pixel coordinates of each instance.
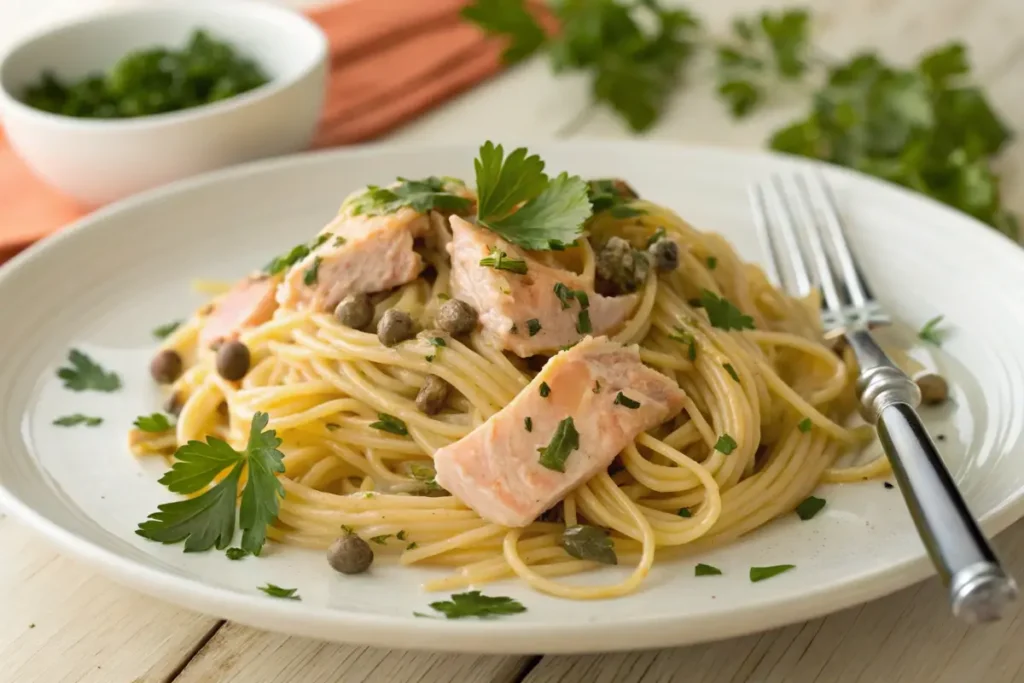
(59, 622)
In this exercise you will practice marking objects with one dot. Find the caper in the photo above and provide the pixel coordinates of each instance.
(166, 366)
(355, 311)
(395, 326)
(934, 389)
(456, 317)
(233, 360)
(665, 254)
(620, 268)
(432, 395)
(350, 554)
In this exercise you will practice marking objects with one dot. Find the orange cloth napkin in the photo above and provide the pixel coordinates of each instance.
(390, 60)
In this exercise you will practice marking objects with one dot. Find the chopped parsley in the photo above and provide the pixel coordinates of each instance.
(762, 573)
(545, 390)
(732, 371)
(583, 325)
(597, 386)
(430, 358)
(437, 341)
(312, 274)
(582, 297)
(381, 540)
(400, 535)
(278, 592)
(685, 512)
(78, 419)
(533, 326)
(622, 400)
(656, 236)
(340, 241)
(476, 604)
(712, 262)
(723, 314)
(499, 260)
(412, 546)
(810, 507)
(804, 425)
(564, 441)
(390, 424)
(931, 332)
(589, 543)
(297, 253)
(725, 444)
(564, 294)
(528, 424)
(208, 520)
(166, 330)
(706, 570)
(85, 374)
(518, 201)
(157, 422)
(236, 553)
(684, 337)
(419, 195)
(625, 211)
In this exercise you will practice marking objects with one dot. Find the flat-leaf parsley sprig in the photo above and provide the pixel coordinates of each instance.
(208, 520)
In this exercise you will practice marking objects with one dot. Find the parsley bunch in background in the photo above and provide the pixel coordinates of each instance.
(926, 127)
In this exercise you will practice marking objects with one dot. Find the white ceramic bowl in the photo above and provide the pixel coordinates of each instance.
(97, 161)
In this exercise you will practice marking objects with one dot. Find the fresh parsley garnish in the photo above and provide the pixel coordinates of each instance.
(583, 325)
(564, 441)
(762, 573)
(236, 553)
(931, 332)
(609, 193)
(545, 390)
(499, 260)
(528, 424)
(400, 535)
(732, 371)
(85, 374)
(533, 326)
(166, 330)
(565, 295)
(706, 570)
(512, 19)
(804, 425)
(312, 274)
(390, 424)
(725, 444)
(278, 592)
(810, 507)
(712, 262)
(625, 211)
(518, 201)
(684, 337)
(208, 520)
(296, 254)
(419, 195)
(723, 314)
(157, 422)
(589, 543)
(476, 604)
(656, 236)
(412, 546)
(340, 241)
(622, 400)
(381, 540)
(78, 419)
(685, 512)
(437, 341)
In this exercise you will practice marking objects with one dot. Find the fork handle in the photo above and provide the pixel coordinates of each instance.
(979, 588)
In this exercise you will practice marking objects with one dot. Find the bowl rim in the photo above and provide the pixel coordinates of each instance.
(198, 8)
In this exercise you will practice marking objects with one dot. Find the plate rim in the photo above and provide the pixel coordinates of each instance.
(503, 637)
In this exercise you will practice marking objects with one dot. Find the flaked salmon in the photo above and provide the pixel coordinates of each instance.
(610, 396)
(249, 303)
(533, 312)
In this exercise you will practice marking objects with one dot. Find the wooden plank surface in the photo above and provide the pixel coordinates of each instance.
(87, 629)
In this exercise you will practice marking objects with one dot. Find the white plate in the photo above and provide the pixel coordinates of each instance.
(103, 285)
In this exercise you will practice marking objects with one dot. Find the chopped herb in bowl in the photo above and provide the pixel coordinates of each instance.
(152, 81)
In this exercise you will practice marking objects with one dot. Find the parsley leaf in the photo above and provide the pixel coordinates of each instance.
(381, 540)
(706, 570)
(564, 441)
(684, 337)
(685, 512)
(476, 604)
(931, 332)
(610, 193)
(528, 424)
(762, 573)
(157, 422)
(533, 326)
(499, 260)
(545, 390)
(208, 520)
(166, 330)
(85, 374)
(518, 201)
(583, 325)
(390, 424)
(278, 592)
(723, 314)
(804, 425)
(589, 543)
(725, 444)
(282, 263)
(312, 274)
(419, 195)
(732, 371)
(78, 419)
(622, 400)
(509, 18)
(810, 507)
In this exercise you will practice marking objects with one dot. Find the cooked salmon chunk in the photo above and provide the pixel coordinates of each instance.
(528, 313)
(249, 303)
(610, 397)
(360, 255)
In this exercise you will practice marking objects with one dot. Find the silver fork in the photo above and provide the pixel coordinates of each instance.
(783, 210)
